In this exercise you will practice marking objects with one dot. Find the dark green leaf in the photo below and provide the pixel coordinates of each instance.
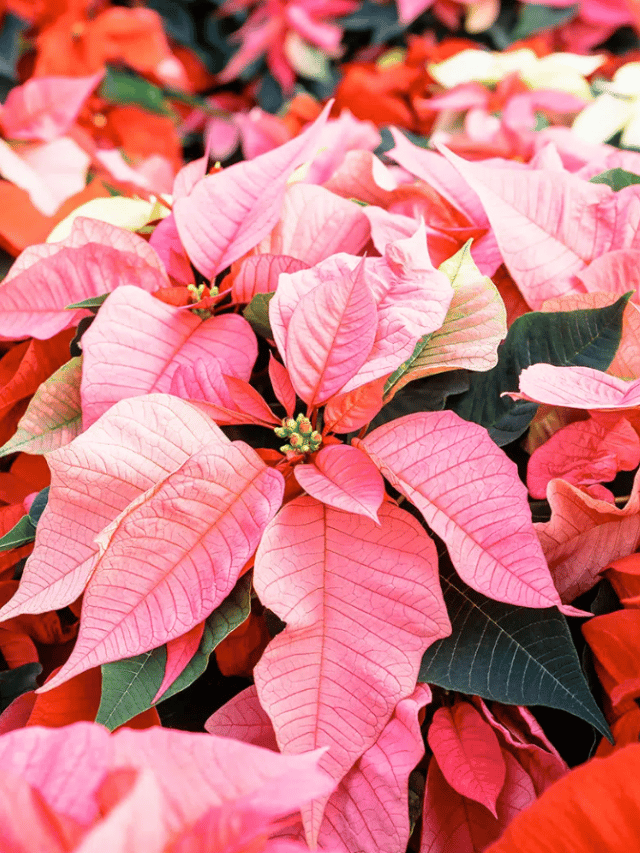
(514, 655)
(423, 395)
(381, 21)
(38, 505)
(10, 44)
(229, 615)
(617, 179)
(585, 338)
(129, 686)
(20, 534)
(534, 18)
(257, 314)
(121, 87)
(15, 682)
(91, 302)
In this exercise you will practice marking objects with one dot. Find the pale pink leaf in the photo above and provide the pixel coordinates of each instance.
(260, 274)
(27, 823)
(451, 822)
(343, 477)
(243, 718)
(408, 10)
(229, 400)
(470, 494)
(281, 384)
(179, 653)
(584, 453)
(339, 136)
(66, 765)
(164, 338)
(369, 811)
(137, 822)
(94, 259)
(412, 298)
(362, 603)
(577, 387)
(549, 225)
(53, 417)
(50, 172)
(314, 224)
(585, 534)
(353, 410)
(228, 213)
(520, 733)
(330, 335)
(216, 770)
(169, 559)
(166, 242)
(468, 753)
(134, 446)
(475, 324)
(364, 177)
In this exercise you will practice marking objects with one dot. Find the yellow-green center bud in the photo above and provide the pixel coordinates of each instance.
(302, 437)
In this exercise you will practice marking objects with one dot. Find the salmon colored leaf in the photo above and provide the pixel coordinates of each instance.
(75, 700)
(243, 718)
(578, 387)
(343, 477)
(368, 611)
(330, 335)
(227, 213)
(281, 384)
(592, 808)
(584, 453)
(174, 554)
(588, 338)
(96, 258)
(260, 273)
(39, 828)
(229, 400)
(500, 652)
(474, 326)
(468, 753)
(585, 534)
(451, 822)
(613, 639)
(438, 461)
(45, 107)
(53, 417)
(106, 460)
(355, 409)
(165, 338)
(549, 224)
(129, 686)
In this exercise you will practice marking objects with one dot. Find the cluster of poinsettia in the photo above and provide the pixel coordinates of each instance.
(261, 391)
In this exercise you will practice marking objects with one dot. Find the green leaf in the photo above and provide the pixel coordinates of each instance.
(15, 682)
(407, 366)
(257, 314)
(91, 302)
(129, 686)
(229, 615)
(20, 534)
(514, 655)
(534, 18)
(38, 505)
(617, 179)
(11, 43)
(121, 87)
(585, 338)
(423, 395)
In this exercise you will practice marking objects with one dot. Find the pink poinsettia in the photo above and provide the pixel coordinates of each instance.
(274, 27)
(80, 790)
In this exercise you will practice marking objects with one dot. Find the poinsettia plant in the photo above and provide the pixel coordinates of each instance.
(285, 413)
